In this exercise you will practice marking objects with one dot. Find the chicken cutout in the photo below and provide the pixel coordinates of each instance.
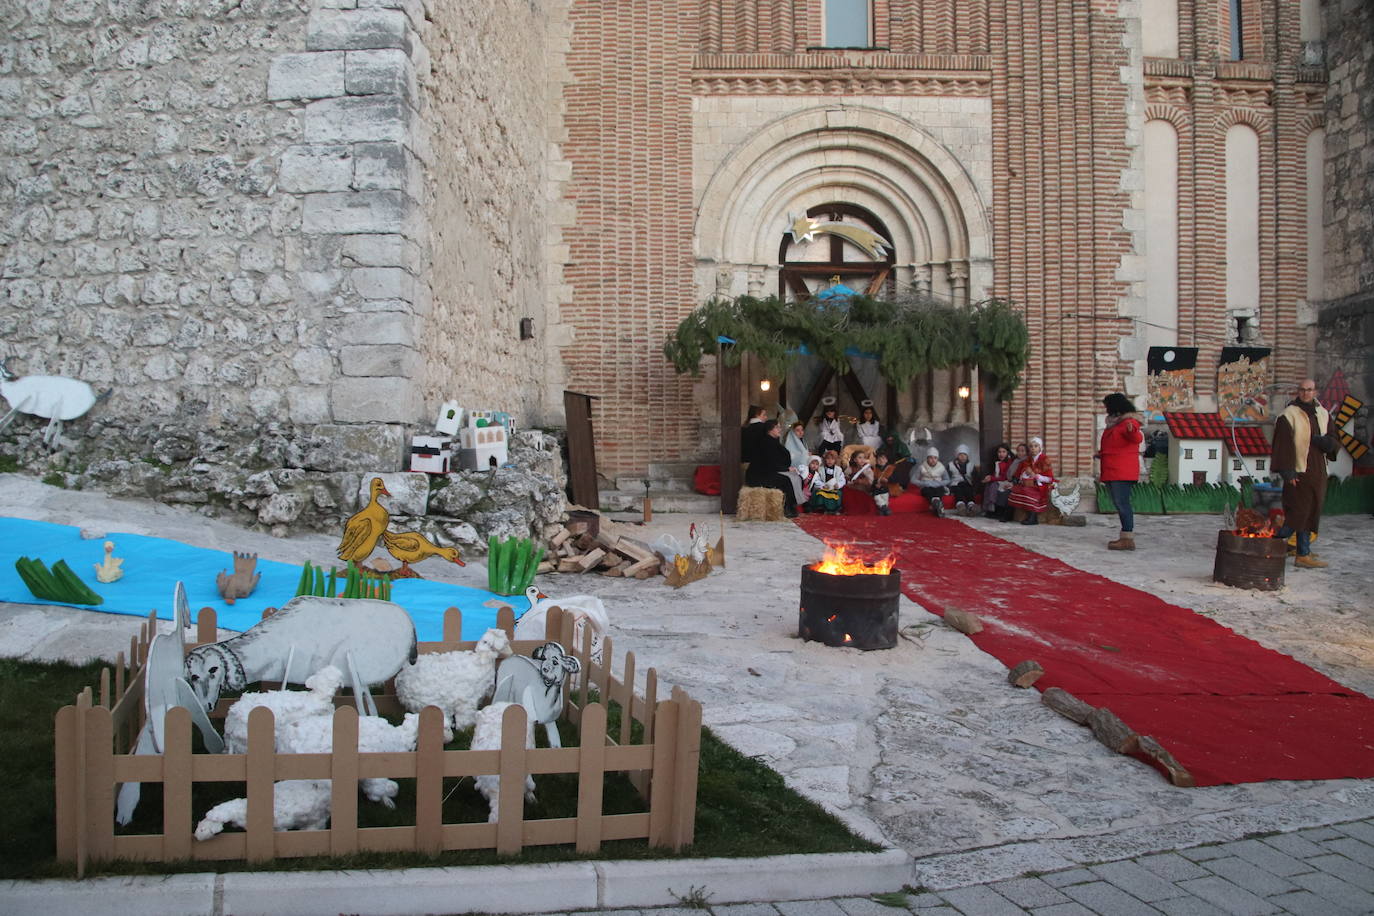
(697, 560)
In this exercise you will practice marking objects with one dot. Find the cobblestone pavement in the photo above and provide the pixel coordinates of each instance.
(1324, 871)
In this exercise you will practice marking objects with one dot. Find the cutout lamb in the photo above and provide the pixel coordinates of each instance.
(537, 684)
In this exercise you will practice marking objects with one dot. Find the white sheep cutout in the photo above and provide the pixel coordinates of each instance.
(315, 735)
(287, 706)
(54, 397)
(456, 682)
(367, 638)
(537, 684)
(297, 804)
(486, 736)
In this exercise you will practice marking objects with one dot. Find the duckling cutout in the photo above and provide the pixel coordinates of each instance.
(108, 570)
(362, 531)
(412, 547)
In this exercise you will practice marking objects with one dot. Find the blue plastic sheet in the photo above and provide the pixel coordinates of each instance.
(153, 565)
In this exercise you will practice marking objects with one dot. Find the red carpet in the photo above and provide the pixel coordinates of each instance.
(1228, 709)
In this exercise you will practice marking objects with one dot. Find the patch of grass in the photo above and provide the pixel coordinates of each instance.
(743, 807)
(8, 464)
(895, 899)
(55, 479)
(696, 898)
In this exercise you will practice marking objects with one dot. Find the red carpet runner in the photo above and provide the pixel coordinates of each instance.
(1228, 709)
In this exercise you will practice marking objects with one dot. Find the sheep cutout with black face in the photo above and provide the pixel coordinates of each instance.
(367, 639)
(537, 684)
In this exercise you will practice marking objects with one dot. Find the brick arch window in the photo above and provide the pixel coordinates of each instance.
(848, 23)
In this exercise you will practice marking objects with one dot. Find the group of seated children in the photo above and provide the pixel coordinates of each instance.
(878, 465)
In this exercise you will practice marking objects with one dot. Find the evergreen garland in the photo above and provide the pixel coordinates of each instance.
(908, 335)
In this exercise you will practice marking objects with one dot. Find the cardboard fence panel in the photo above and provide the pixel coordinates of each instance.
(94, 743)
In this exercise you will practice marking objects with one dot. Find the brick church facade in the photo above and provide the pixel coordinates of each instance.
(1130, 174)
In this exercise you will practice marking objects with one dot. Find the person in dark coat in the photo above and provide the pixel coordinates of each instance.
(1304, 441)
(1120, 457)
(769, 464)
(751, 432)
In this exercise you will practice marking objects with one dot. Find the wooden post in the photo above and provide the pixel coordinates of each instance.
(627, 698)
(453, 625)
(343, 770)
(510, 816)
(684, 812)
(176, 786)
(206, 625)
(67, 780)
(99, 801)
(591, 778)
(989, 420)
(728, 393)
(429, 783)
(661, 794)
(581, 449)
(260, 842)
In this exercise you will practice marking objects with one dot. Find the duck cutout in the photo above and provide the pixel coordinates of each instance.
(412, 547)
(109, 569)
(362, 531)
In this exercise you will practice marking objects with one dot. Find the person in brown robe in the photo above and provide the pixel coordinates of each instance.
(1304, 440)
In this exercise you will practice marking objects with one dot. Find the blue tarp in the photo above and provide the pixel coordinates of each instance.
(153, 565)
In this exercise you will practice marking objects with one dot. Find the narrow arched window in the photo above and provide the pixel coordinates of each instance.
(1237, 31)
(848, 23)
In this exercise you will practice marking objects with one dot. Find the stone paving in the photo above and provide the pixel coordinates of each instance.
(925, 747)
(1324, 871)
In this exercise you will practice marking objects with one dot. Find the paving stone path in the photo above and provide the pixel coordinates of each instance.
(1324, 871)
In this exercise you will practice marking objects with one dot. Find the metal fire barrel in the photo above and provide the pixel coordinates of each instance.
(859, 611)
(1249, 562)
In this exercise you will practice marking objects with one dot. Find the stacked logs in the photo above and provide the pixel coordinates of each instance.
(575, 548)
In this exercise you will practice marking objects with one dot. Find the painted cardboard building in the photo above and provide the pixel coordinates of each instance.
(1204, 448)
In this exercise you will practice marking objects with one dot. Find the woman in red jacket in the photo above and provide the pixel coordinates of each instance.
(1120, 457)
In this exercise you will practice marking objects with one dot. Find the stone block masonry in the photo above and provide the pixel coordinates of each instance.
(220, 212)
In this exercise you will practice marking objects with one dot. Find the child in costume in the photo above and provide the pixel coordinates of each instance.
(826, 485)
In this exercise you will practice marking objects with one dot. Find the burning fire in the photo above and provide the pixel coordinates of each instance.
(838, 562)
(1251, 524)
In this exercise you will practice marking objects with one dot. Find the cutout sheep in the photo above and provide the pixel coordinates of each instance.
(456, 682)
(304, 804)
(537, 684)
(54, 397)
(315, 735)
(287, 706)
(297, 804)
(486, 736)
(367, 638)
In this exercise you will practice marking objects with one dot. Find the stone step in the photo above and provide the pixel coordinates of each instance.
(656, 484)
(663, 501)
(682, 470)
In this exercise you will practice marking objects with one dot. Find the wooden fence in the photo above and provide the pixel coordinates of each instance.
(95, 737)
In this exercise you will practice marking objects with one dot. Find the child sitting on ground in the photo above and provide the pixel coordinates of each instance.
(826, 484)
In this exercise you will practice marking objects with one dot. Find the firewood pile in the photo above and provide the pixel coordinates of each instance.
(582, 546)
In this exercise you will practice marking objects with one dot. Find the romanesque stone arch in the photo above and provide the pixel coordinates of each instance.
(873, 159)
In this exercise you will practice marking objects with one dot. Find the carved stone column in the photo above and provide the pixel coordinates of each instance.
(958, 282)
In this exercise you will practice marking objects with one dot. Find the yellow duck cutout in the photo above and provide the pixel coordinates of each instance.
(362, 531)
(108, 570)
(411, 547)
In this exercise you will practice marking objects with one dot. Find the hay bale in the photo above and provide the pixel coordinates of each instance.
(759, 504)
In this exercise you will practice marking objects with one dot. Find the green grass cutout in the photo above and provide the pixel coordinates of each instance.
(743, 807)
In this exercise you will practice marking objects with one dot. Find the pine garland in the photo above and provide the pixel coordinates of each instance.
(909, 335)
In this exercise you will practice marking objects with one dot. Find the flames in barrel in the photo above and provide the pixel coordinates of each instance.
(838, 561)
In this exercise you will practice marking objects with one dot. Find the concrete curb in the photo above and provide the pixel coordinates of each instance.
(557, 887)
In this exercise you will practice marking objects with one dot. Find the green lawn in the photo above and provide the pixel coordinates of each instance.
(743, 807)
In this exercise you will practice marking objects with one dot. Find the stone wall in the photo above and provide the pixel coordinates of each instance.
(1345, 330)
(227, 214)
(492, 106)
